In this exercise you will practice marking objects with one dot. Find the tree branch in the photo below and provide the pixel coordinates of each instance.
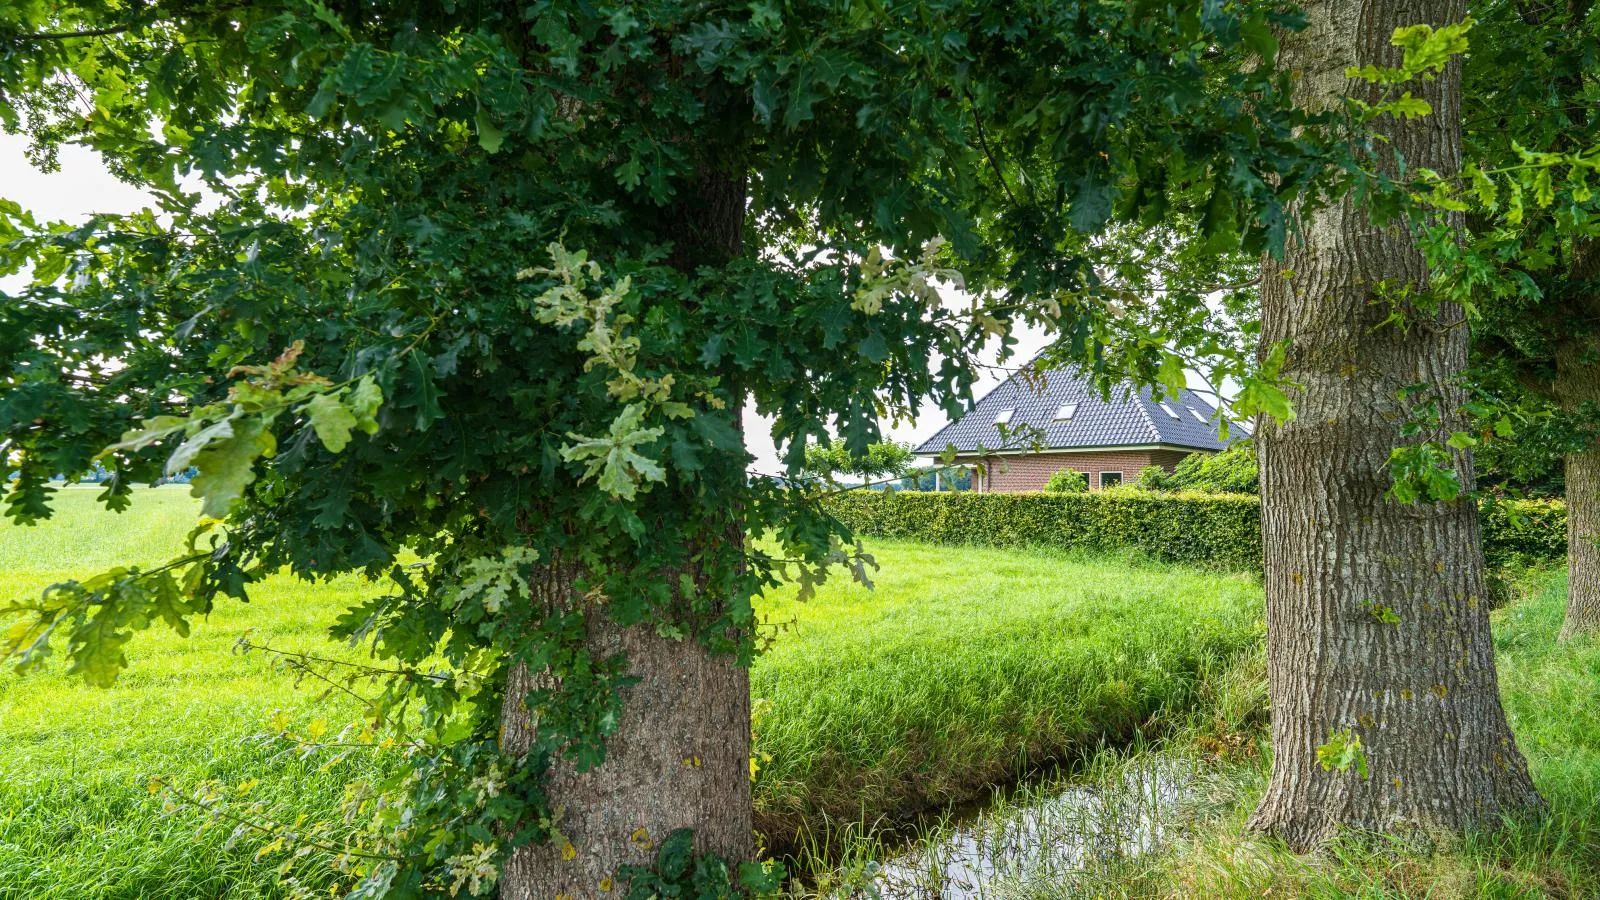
(983, 142)
(39, 36)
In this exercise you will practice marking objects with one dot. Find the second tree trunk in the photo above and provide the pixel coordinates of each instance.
(1578, 388)
(1377, 613)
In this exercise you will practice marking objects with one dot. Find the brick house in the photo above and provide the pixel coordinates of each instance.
(1108, 439)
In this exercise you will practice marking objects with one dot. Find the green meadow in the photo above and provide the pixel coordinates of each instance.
(77, 818)
(960, 670)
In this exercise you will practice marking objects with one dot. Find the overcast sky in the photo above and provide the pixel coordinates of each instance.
(82, 187)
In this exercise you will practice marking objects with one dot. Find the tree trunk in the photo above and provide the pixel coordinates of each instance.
(680, 757)
(1583, 545)
(1578, 387)
(1420, 693)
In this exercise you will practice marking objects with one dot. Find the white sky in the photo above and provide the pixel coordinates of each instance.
(83, 187)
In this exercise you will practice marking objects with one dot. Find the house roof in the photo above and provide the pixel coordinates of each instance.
(1131, 417)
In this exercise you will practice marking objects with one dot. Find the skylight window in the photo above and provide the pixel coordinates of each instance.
(1198, 417)
(1004, 417)
(1169, 411)
(1066, 412)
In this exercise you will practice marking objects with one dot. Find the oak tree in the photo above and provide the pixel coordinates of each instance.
(1531, 264)
(491, 282)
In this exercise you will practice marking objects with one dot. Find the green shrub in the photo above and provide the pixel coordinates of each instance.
(1153, 478)
(1222, 530)
(1067, 481)
(1233, 471)
(886, 460)
(1522, 533)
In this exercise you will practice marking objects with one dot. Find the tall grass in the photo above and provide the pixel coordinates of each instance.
(77, 819)
(1552, 695)
(960, 670)
(965, 667)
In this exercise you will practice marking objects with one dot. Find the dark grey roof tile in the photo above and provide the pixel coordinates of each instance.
(1129, 418)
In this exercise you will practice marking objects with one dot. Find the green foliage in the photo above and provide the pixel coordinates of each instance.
(1152, 478)
(1425, 51)
(1423, 473)
(1531, 154)
(1522, 533)
(1066, 481)
(1264, 394)
(1221, 530)
(1525, 436)
(680, 872)
(887, 459)
(1430, 468)
(1343, 751)
(1383, 613)
(511, 225)
(1518, 268)
(1234, 470)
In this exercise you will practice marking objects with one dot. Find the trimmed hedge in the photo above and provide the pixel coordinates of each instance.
(1215, 529)
(1219, 530)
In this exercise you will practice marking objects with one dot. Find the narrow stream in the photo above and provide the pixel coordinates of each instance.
(1052, 835)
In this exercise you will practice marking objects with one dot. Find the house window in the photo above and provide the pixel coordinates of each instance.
(1199, 418)
(1110, 479)
(1169, 410)
(1065, 413)
(1004, 417)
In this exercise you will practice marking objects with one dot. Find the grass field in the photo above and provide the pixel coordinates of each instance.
(964, 667)
(961, 668)
(76, 818)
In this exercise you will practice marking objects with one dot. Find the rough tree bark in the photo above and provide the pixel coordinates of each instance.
(680, 757)
(1577, 389)
(1420, 693)
(1577, 385)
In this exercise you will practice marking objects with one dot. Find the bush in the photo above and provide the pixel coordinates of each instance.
(1153, 478)
(1221, 530)
(1067, 481)
(1233, 471)
(1522, 533)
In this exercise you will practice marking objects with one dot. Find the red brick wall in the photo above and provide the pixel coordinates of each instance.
(1029, 471)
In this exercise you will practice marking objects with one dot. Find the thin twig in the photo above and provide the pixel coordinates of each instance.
(247, 644)
(276, 830)
(983, 141)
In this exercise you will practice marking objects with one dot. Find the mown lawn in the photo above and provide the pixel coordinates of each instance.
(958, 670)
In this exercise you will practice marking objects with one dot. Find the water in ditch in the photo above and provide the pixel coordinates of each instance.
(1054, 839)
